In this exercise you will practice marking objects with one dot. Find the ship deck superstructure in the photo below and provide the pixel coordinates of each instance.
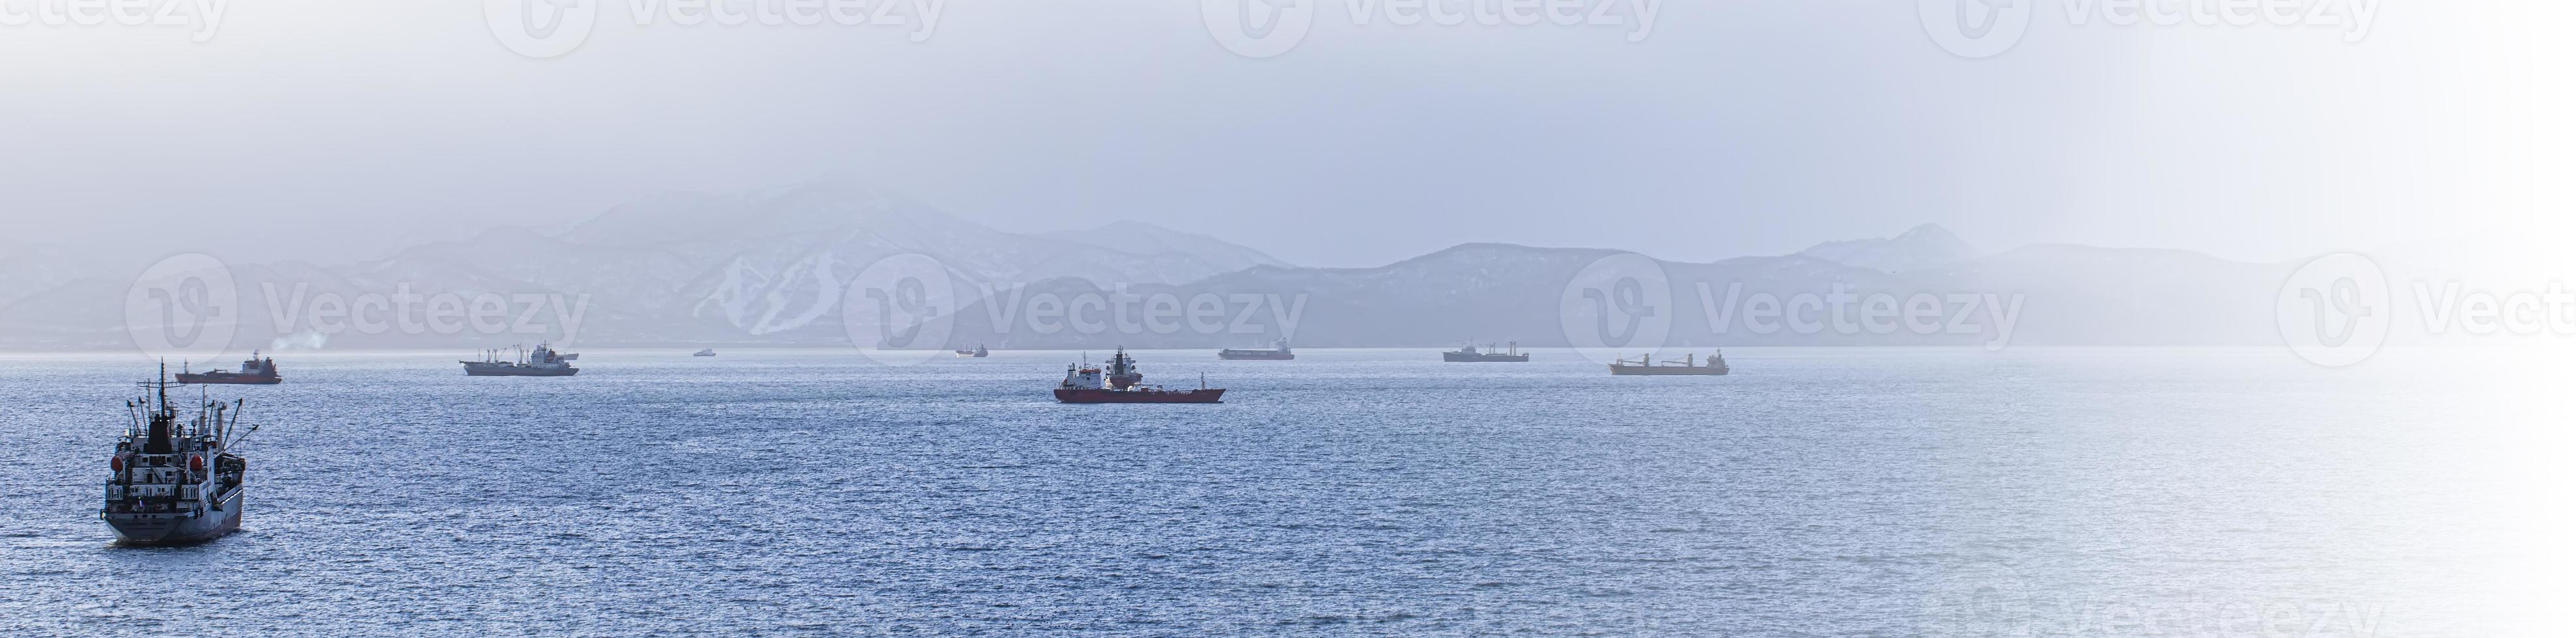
(1278, 351)
(1489, 354)
(174, 481)
(1688, 366)
(1121, 382)
(541, 362)
(256, 371)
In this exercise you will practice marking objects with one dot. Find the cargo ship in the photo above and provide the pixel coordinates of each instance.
(1489, 354)
(1120, 382)
(541, 362)
(172, 482)
(256, 371)
(1278, 351)
(1646, 366)
(978, 353)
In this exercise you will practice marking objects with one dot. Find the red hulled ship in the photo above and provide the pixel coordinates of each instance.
(1119, 382)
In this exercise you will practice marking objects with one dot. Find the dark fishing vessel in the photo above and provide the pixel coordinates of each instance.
(256, 371)
(978, 353)
(1278, 351)
(1646, 366)
(1489, 354)
(1120, 382)
(172, 482)
(541, 362)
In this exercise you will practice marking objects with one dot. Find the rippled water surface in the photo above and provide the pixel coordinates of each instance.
(1843, 492)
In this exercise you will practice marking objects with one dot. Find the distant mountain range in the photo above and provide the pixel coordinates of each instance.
(769, 267)
(764, 266)
(1926, 246)
(2055, 295)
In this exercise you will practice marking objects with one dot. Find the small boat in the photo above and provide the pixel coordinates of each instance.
(1646, 366)
(978, 353)
(705, 353)
(1120, 382)
(1490, 354)
(1278, 351)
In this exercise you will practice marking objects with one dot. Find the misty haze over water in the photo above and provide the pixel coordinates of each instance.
(1930, 318)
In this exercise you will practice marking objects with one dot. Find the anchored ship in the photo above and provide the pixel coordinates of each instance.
(1278, 351)
(978, 353)
(1120, 382)
(541, 362)
(172, 482)
(1646, 366)
(1490, 354)
(256, 371)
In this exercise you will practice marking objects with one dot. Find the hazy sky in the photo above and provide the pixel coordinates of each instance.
(336, 130)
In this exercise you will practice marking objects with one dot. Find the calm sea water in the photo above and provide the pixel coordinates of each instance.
(1820, 492)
